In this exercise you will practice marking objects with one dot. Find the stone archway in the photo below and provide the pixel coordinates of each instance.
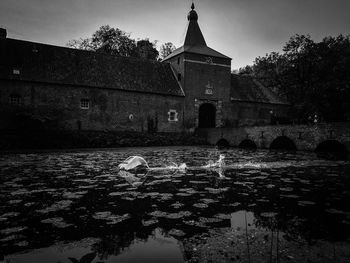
(283, 143)
(207, 116)
(332, 149)
(223, 143)
(247, 144)
(331, 146)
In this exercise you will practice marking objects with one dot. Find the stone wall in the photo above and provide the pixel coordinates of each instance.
(305, 137)
(203, 82)
(109, 109)
(22, 140)
(198, 76)
(206, 83)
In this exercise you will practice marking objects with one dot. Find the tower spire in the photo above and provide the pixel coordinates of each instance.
(194, 36)
(192, 15)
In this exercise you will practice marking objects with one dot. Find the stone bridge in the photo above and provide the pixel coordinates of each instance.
(323, 137)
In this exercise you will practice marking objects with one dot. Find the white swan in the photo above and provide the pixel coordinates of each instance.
(133, 162)
(137, 162)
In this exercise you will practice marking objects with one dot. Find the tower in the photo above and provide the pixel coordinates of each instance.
(204, 75)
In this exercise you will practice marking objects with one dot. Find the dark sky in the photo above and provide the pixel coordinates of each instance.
(241, 29)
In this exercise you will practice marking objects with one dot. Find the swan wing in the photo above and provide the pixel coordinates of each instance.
(132, 162)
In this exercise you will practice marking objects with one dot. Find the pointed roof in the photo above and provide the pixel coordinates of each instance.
(194, 40)
(194, 36)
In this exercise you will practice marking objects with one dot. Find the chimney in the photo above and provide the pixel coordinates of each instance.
(3, 33)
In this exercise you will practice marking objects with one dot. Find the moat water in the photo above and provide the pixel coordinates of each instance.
(71, 206)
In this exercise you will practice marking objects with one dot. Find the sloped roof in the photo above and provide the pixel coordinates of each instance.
(202, 50)
(60, 65)
(246, 88)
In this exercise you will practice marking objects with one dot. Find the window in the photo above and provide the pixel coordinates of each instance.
(179, 77)
(16, 71)
(178, 60)
(172, 115)
(15, 99)
(84, 104)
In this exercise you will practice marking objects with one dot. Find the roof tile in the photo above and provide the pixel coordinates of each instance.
(52, 64)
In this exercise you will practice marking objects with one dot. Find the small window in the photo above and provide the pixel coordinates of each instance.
(16, 71)
(178, 60)
(172, 115)
(15, 99)
(84, 104)
(179, 76)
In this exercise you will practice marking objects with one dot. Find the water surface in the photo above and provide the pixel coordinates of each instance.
(62, 206)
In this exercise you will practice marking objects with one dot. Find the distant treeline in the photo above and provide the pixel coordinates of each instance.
(313, 76)
(117, 42)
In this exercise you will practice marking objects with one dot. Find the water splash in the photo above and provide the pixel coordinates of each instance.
(218, 164)
(173, 166)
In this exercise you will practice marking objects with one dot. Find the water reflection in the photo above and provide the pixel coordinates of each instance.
(58, 198)
(157, 247)
(242, 219)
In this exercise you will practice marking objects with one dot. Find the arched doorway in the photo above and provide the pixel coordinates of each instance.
(331, 146)
(206, 118)
(283, 143)
(332, 149)
(223, 143)
(247, 144)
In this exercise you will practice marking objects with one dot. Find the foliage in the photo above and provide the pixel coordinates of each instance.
(146, 49)
(313, 76)
(116, 42)
(166, 49)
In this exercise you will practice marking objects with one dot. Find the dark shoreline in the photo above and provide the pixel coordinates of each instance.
(41, 141)
(72, 150)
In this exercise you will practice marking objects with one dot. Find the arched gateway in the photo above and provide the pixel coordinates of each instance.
(206, 116)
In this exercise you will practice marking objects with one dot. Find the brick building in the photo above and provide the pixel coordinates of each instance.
(62, 88)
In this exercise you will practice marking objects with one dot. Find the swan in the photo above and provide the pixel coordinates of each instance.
(133, 162)
(138, 162)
